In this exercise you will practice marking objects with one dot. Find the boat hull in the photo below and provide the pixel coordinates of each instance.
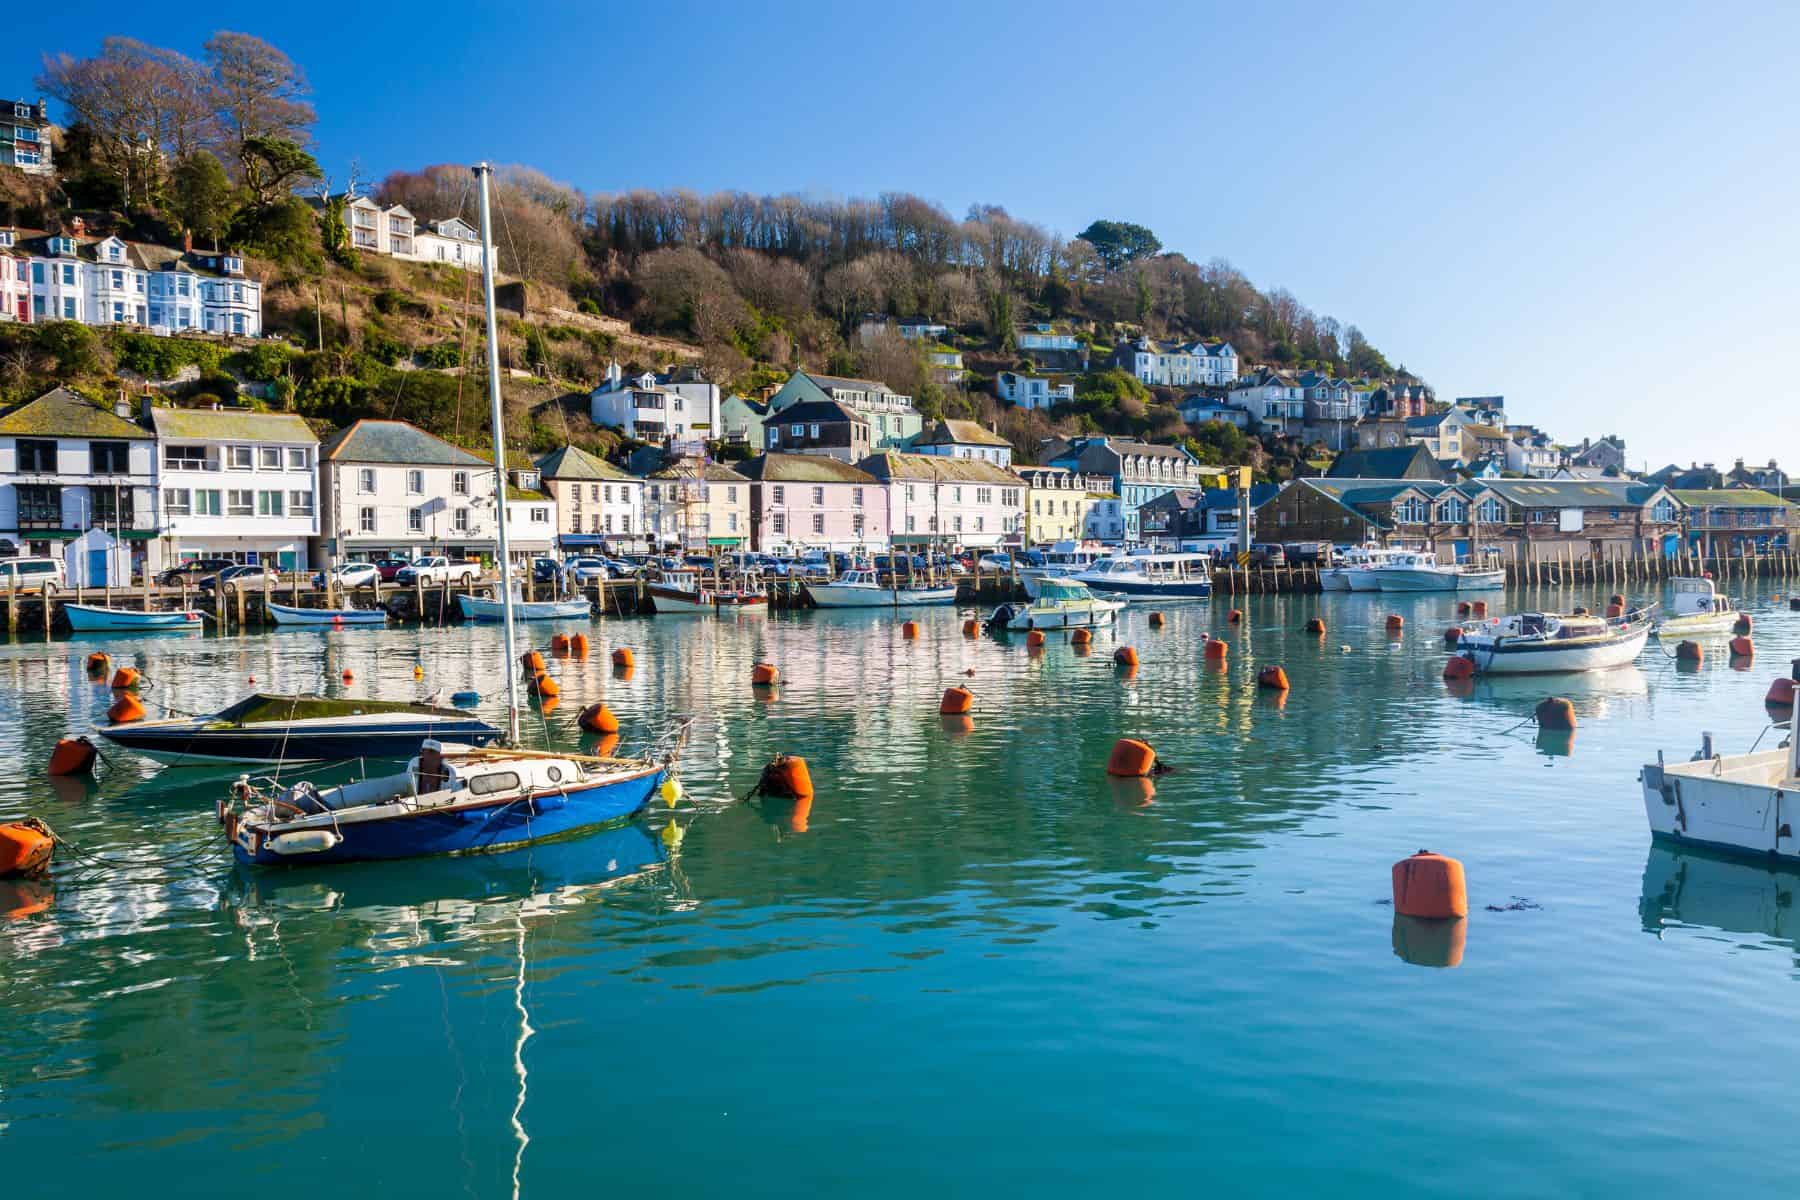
(1481, 581)
(1153, 589)
(1498, 657)
(1415, 579)
(1747, 809)
(1697, 625)
(1334, 579)
(190, 742)
(1024, 618)
(670, 601)
(826, 595)
(286, 614)
(1362, 579)
(480, 608)
(503, 824)
(88, 617)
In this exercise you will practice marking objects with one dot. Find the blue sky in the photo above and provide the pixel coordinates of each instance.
(1590, 211)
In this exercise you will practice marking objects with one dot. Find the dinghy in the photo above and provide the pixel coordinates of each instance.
(287, 614)
(88, 617)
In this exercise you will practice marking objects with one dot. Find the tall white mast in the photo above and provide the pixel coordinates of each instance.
(482, 172)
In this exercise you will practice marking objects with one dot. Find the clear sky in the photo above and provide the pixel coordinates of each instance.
(1587, 208)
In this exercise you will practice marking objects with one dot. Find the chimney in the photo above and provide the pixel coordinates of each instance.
(187, 242)
(146, 405)
(77, 226)
(122, 406)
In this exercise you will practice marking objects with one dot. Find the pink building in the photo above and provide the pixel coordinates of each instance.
(15, 281)
(810, 502)
(949, 503)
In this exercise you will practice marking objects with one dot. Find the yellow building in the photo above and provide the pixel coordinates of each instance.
(1057, 501)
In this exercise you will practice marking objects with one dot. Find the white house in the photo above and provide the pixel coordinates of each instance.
(378, 230)
(1178, 365)
(949, 502)
(1199, 408)
(110, 281)
(697, 505)
(679, 406)
(1531, 452)
(1045, 336)
(964, 439)
(237, 484)
(1273, 399)
(68, 465)
(452, 241)
(1033, 391)
(597, 504)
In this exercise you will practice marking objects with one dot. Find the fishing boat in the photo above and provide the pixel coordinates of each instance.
(1063, 560)
(678, 592)
(1741, 803)
(1537, 642)
(1183, 576)
(266, 728)
(288, 614)
(864, 589)
(452, 797)
(84, 618)
(1060, 604)
(1363, 575)
(482, 608)
(1336, 578)
(1697, 609)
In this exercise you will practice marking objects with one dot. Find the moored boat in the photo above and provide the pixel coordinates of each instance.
(1063, 560)
(1415, 571)
(1537, 642)
(288, 614)
(264, 728)
(481, 608)
(1060, 604)
(1697, 609)
(681, 592)
(1742, 803)
(1181, 576)
(864, 589)
(84, 618)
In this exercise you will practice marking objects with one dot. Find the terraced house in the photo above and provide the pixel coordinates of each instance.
(1175, 364)
(597, 504)
(110, 281)
(948, 502)
(893, 421)
(810, 502)
(1736, 521)
(1136, 472)
(237, 484)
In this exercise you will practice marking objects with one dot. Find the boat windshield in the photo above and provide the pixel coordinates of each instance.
(1062, 589)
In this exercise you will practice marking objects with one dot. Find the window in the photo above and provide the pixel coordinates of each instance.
(731, 522)
(856, 523)
(240, 502)
(498, 781)
(415, 520)
(540, 515)
(818, 522)
(39, 505)
(1413, 511)
(459, 520)
(269, 504)
(777, 524)
(813, 432)
(607, 493)
(731, 493)
(365, 480)
(818, 495)
(177, 502)
(1454, 512)
(774, 435)
(856, 497)
(365, 520)
(1490, 511)
(300, 504)
(959, 522)
(608, 522)
(68, 306)
(1663, 510)
(459, 483)
(415, 483)
(777, 491)
(208, 503)
(978, 524)
(296, 458)
(909, 491)
(68, 272)
(625, 522)
(239, 458)
(909, 523)
(655, 492)
(37, 457)
(269, 458)
(593, 523)
(797, 431)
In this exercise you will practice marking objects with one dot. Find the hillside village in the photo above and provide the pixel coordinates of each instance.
(187, 293)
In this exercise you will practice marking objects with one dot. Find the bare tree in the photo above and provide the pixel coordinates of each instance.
(257, 92)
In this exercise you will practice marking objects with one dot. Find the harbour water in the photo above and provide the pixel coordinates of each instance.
(972, 966)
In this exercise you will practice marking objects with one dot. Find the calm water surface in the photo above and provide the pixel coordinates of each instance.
(972, 966)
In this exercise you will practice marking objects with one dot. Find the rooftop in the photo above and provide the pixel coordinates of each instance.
(373, 441)
(231, 425)
(572, 462)
(802, 468)
(62, 413)
(890, 465)
(964, 433)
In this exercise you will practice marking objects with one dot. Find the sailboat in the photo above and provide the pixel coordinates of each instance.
(452, 798)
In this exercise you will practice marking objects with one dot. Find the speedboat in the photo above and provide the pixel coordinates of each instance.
(679, 592)
(287, 614)
(1060, 604)
(864, 589)
(1062, 561)
(1536, 642)
(1697, 609)
(451, 799)
(1152, 576)
(85, 617)
(1741, 803)
(265, 728)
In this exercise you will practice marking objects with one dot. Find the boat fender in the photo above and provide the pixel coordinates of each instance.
(1131, 759)
(305, 841)
(909, 630)
(786, 776)
(1781, 694)
(1216, 649)
(1689, 652)
(465, 699)
(623, 659)
(124, 678)
(1272, 678)
(971, 628)
(1316, 625)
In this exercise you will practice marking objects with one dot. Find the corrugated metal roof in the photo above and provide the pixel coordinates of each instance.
(1573, 493)
(372, 441)
(230, 425)
(62, 413)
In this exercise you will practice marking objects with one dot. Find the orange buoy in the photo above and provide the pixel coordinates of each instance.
(348, 677)
(1459, 667)
(1614, 611)
(1742, 647)
(544, 686)
(597, 718)
(786, 776)
(1215, 649)
(764, 675)
(1616, 598)
(1125, 656)
(1430, 886)
(1554, 712)
(1429, 943)
(1479, 608)
(1690, 652)
(125, 709)
(1235, 617)
(1452, 635)
(1395, 623)
(1273, 678)
(98, 664)
(1131, 759)
(622, 658)
(126, 677)
(1315, 625)
(532, 661)
(1034, 639)
(25, 847)
(73, 756)
(956, 701)
(1157, 620)
(1781, 693)
(559, 645)
(958, 725)
(971, 628)
(1081, 637)
(578, 645)
(1744, 625)
(910, 629)
(1463, 608)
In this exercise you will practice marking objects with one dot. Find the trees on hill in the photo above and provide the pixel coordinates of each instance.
(1120, 242)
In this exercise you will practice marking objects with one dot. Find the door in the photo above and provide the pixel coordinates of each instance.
(96, 568)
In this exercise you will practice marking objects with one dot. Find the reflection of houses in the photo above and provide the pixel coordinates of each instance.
(597, 503)
(1737, 521)
(893, 421)
(937, 500)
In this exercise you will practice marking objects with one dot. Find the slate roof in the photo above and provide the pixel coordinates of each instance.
(230, 425)
(142, 256)
(572, 462)
(1573, 493)
(62, 413)
(1388, 462)
(964, 433)
(821, 411)
(891, 465)
(827, 382)
(711, 472)
(372, 441)
(802, 468)
(1728, 498)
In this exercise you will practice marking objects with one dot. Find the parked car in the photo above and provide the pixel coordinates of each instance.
(546, 570)
(1267, 554)
(1307, 554)
(350, 575)
(193, 570)
(390, 567)
(589, 568)
(437, 570)
(29, 572)
(999, 561)
(249, 576)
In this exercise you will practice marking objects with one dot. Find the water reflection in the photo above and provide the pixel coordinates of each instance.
(1694, 889)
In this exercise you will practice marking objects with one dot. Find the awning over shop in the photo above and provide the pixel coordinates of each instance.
(724, 541)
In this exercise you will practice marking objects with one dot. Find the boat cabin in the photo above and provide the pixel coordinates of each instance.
(1154, 567)
(1698, 596)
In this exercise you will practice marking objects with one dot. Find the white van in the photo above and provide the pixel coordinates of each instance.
(29, 574)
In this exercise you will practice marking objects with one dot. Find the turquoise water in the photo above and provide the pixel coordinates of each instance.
(973, 966)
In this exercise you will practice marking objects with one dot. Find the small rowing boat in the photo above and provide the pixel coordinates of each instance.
(287, 614)
(86, 617)
(480, 608)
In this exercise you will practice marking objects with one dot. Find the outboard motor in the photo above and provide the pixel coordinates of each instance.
(1001, 617)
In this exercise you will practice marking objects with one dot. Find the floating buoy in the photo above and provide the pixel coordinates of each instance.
(98, 664)
(1081, 637)
(348, 677)
(1479, 608)
(532, 661)
(1459, 667)
(1616, 598)
(1273, 678)
(671, 791)
(1157, 620)
(1744, 625)
(1429, 943)
(1452, 635)
(126, 709)
(73, 756)
(25, 847)
(971, 628)
(1690, 652)
(1463, 608)
(622, 658)
(1395, 623)
(1742, 647)
(597, 718)
(1614, 611)
(1131, 759)
(125, 677)
(1781, 694)
(1235, 617)
(578, 645)
(1034, 639)
(1554, 712)
(956, 701)
(909, 630)
(1316, 625)
(786, 776)
(559, 645)
(1215, 649)
(1125, 656)
(764, 675)
(418, 671)
(544, 687)
(1430, 886)
(465, 699)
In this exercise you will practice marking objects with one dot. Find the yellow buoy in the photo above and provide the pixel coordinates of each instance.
(671, 791)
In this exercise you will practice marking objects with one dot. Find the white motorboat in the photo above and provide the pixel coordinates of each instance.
(1183, 576)
(288, 614)
(1060, 604)
(1743, 803)
(1697, 609)
(1415, 571)
(682, 593)
(1357, 571)
(1536, 642)
(1064, 560)
(480, 608)
(864, 589)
